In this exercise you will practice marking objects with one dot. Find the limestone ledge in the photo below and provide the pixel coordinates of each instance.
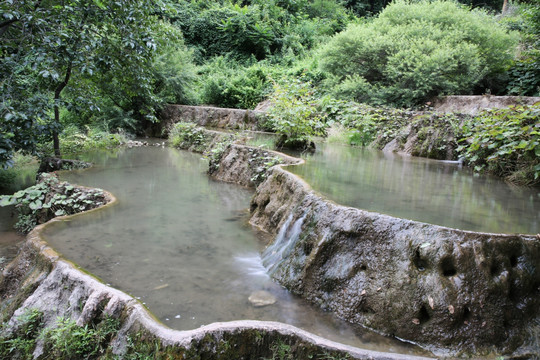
(248, 165)
(40, 278)
(454, 292)
(232, 119)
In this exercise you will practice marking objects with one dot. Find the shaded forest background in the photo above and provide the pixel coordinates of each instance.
(94, 70)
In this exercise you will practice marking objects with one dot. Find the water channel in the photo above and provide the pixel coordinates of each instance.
(420, 189)
(180, 242)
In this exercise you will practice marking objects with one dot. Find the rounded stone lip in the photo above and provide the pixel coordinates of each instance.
(309, 188)
(140, 314)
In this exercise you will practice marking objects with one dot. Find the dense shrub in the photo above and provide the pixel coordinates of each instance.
(256, 28)
(294, 115)
(505, 142)
(416, 50)
(227, 83)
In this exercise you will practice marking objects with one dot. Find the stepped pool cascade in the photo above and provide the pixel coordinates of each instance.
(435, 192)
(180, 242)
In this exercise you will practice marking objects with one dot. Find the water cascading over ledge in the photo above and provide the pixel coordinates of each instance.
(452, 291)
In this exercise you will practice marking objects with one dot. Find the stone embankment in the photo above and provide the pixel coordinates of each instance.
(448, 290)
(231, 119)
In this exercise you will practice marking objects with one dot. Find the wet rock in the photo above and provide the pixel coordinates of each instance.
(449, 290)
(136, 143)
(261, 298)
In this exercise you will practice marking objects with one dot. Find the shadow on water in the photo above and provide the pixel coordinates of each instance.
(180, 242)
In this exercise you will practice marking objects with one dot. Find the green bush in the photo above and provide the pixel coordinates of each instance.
(416, 50)
(227, 83)
(21, 343)
(294, 116)
(525, 73)
(505, 142)
(183, 135)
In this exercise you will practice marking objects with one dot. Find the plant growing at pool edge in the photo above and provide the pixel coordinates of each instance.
(49, 198)
(505, 142)
(294, 116)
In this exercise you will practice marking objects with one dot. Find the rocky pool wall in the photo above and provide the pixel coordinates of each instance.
(452, 291)
(231, 119)
(41, 279)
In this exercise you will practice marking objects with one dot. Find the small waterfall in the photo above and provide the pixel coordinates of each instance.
(285, 241)
(252, 264)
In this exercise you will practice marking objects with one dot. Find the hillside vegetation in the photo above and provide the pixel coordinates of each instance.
(83, 67)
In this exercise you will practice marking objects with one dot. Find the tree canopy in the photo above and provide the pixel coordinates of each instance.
(87, 47)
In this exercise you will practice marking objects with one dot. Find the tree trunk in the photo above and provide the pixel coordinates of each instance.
(505, 6)
(57, 91)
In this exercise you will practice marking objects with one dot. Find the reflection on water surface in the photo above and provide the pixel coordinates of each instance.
(420, 189)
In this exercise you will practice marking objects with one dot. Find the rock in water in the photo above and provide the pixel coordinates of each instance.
(261, 298)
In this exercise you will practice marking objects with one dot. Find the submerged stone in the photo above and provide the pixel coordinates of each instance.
(261, 298)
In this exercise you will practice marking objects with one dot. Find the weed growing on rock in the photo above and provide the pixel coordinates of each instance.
(20, 343)
(184, 135)
(260, 162)
(49, 198)
(69, 341)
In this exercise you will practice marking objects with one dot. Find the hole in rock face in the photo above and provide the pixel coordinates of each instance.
(447, 267)
(363, 267)
(423, 315)
(495, 269)
(265, 203)
(420, 263)
(466, 314)
(513, 260)
(307, 247)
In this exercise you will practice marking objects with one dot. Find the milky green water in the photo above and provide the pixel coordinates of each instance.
(180, 243)
(421, 189)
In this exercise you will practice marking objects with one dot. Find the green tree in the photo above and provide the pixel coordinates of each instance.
(49, 45)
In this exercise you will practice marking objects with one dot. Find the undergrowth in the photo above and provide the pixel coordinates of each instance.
(49, 198)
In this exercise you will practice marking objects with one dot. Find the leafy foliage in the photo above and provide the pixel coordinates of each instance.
(416, 50)
(49, 198)
(19, 344)
(226, 83)
(184, 135)
(70, 341)
(293, 115)
(525, 73)
(92, 49)
(505, 142)
(255, 28)
(76, 141)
